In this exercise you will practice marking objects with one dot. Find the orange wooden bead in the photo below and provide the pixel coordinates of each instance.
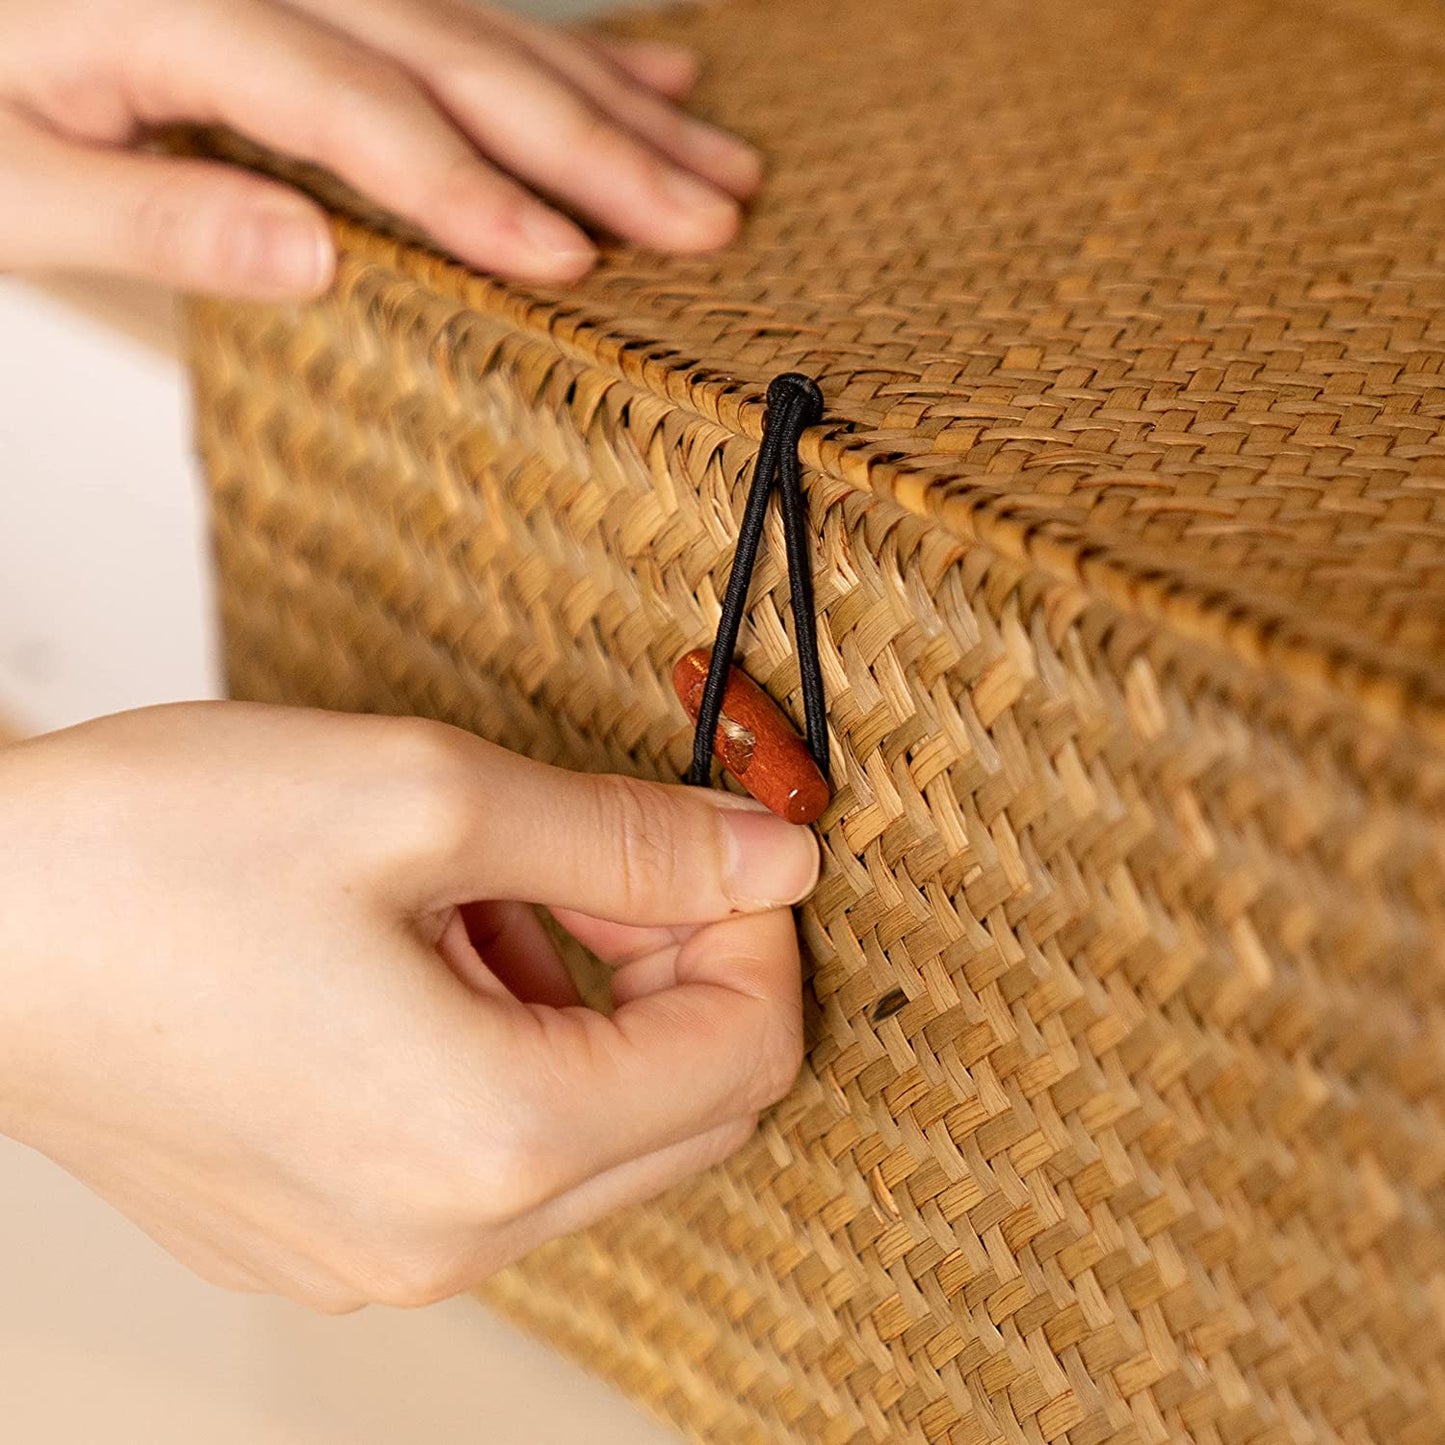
(756, 742)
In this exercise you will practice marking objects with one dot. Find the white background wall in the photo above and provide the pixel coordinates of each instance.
(104, 594)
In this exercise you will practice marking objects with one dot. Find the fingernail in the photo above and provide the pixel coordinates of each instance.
(293, 252)
(688, 193)
(558, 240)
(769, 862)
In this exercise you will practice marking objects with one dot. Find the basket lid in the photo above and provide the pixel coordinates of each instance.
(1149, 293)
(1149, 296)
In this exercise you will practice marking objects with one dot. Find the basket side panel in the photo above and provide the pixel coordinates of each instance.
(1153, 1149)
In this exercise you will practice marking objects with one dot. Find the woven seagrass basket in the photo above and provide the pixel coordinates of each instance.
(1124, 1115)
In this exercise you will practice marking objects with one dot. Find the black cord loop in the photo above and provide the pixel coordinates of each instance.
(794, 404)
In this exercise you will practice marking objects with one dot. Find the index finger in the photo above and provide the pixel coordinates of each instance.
(725, 1042)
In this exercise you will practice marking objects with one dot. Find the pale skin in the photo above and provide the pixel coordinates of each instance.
(271, 980)
(489, 132)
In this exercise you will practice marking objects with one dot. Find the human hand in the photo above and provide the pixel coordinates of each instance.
(268, 983)
(459, 117)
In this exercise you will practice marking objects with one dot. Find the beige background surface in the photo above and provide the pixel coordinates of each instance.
(105, 1341)
(105, 603)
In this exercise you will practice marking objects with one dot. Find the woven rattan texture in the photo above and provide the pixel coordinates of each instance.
(1124, 1114)
(1162, 286)
(1153, 1146)
(1145, 295)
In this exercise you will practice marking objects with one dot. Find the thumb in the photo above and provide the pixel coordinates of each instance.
(615, 848)
(193, 225)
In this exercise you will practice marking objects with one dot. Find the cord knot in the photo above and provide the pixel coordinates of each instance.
(792, 387)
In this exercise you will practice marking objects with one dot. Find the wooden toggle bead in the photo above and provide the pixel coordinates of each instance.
(756, 742)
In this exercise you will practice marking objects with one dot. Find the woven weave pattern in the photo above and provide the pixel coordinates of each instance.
(1124, 1114)
(1168, 281)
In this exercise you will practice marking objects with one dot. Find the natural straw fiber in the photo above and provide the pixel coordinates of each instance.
(1124, 1114)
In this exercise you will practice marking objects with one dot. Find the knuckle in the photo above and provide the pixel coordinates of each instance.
(730, 1140)
(636, 820)
(211, 232)
(406, 1279)
(416, 1288)
(520, 1158)
(778, 1061)
(455, 186)
(663, 123)
(161, 228)
(366, 79)
(489, 1160)
(425, 1290)
(333, 1302)
(520, 1175)
(429, 776)
(586, 130)
(425, 751)
(339, 1305)
(365, 95)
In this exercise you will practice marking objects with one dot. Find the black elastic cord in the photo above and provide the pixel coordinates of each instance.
(794, 404)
